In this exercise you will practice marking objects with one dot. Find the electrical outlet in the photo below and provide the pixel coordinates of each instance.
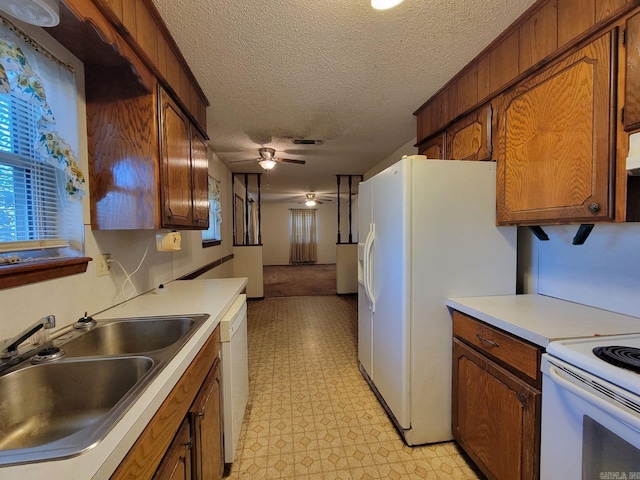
(103, 267)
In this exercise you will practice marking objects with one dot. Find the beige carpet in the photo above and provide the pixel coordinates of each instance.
(299, 280)
(311, 415)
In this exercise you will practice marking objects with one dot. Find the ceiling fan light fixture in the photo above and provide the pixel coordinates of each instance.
(384, 4)
(267, 164)
(310, 203)
(43, 13)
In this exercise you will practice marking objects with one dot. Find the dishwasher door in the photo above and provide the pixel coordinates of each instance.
(235, 373)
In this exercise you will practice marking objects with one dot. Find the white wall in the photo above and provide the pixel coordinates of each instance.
(69, 297)
(604, 272)
(275, 232)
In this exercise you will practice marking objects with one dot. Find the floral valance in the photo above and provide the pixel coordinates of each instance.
(18, 78)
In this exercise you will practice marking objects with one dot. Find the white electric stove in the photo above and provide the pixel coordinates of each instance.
(591, 409)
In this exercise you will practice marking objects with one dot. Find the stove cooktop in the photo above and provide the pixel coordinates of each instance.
(587, 354)
(620, 356)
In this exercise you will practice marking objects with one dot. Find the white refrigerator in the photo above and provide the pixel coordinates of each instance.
(428, 232)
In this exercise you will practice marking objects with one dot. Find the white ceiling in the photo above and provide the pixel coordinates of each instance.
(334, 70)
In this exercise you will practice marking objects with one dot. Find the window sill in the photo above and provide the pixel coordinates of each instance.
(210, 243)
(37, 271)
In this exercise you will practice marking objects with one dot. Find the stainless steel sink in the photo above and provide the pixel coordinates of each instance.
(60, 409)
(129, 336)
(44, 403)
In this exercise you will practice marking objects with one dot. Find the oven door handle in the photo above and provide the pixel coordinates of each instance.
(595, 400)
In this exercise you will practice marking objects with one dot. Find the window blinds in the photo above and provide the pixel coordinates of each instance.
(29, 195)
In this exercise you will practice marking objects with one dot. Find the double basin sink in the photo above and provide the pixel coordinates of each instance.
(64, 407)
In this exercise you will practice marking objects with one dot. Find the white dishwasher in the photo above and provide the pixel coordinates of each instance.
(235, 373)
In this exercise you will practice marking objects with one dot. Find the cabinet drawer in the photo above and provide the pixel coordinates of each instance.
(500, 345)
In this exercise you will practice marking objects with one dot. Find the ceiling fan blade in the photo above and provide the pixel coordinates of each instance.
(241, 161)
(289, 160)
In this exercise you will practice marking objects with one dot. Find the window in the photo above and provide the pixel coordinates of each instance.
(40, 177)
(303, 237)
(29, 199)
(212, 236)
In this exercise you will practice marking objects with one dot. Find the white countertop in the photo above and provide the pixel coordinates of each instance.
(181, 298)
(541, 319)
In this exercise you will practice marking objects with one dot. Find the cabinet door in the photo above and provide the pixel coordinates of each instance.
(554, 141)
(200, 180)
(495, 416)
(470, 138)
(206, 421)
(176, 165)
(433, 148)
(176, 464)
(632, 83)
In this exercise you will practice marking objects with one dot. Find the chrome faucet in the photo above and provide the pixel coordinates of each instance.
(9, 346)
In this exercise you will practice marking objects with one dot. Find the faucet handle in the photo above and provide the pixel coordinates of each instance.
(49, 321)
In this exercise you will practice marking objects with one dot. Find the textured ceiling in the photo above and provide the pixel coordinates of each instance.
(334, 70)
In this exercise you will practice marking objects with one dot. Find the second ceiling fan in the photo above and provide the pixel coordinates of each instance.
(268, 160)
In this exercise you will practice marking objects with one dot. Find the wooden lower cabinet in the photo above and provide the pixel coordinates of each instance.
(494, 416)
(495, 404)
(160, 451)
(176, 464)
(205, 417)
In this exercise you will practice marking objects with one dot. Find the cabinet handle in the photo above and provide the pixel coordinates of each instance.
(201, 414)
(486, 340)
(594, 208)
(189, 444)
(522, 398)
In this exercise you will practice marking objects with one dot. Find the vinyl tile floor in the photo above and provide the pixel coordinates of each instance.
(311, 415)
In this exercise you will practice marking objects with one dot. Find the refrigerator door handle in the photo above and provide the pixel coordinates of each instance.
(369, 259)
(365, 265)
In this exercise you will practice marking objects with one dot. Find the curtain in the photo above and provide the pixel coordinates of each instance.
(303, 240)
(18, 67)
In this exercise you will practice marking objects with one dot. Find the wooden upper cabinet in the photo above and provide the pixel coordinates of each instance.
(470, 138)
(467, 90)
(175, 164)
(146, 33)
(484, 81)
(434, 148)
(116, 6)
(503, 62)
(605, 8)
(423, 123)
(574, 18)
(122, 134)
(554, 147)
(632, 75)
(200, 180)
(129, 16)
(144, 30)
(538, 36)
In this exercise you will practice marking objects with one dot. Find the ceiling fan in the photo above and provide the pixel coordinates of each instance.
(311, 200)
(267, 159)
